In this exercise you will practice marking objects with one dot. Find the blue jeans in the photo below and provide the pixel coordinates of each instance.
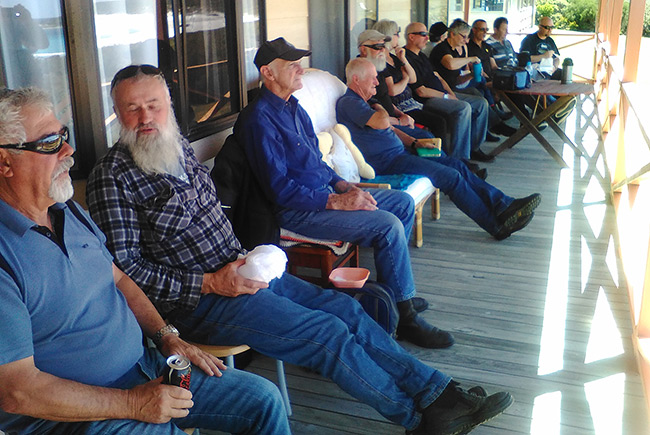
(237, 402)
(387, 230)
(326, 331)
(479, 200)
(467, 119)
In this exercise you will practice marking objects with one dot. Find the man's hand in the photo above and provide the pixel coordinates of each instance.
(228, 282)
(154, 402)
(401, 54)
(353, 199)
(548, 54)
(210, 364)
(406, 120)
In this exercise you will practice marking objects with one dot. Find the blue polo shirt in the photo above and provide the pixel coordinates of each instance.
(63, 307)
(282, 149)
(379, 147)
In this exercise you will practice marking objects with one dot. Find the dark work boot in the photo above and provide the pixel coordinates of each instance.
(416, 330)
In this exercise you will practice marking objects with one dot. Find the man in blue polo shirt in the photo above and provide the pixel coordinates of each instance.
(71, 354)
(495, 212)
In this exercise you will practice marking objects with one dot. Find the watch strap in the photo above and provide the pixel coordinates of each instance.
(165, 330)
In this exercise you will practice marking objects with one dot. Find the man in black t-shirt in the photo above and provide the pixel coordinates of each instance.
(541, 45)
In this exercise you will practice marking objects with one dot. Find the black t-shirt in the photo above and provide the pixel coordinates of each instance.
(424, 74)
(484, 52)
(536, 46)
(440, 51)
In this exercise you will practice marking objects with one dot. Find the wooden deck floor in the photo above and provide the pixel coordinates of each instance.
(543, 314)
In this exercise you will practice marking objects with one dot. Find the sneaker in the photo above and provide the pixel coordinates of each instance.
(469, 411)
(503, 129)
(521, 223)
(519, 207)
(562, 114)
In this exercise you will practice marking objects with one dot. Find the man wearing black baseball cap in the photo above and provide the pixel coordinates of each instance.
(278, 49)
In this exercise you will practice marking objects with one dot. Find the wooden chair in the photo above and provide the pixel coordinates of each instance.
(320, 257)
(227, 353)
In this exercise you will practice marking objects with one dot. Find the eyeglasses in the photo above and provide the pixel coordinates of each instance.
(50, 144)
(547, 27)
(398, 32)
(132, 71)
(464, 36)
(377, 47)
(482, 29)
(420, 33)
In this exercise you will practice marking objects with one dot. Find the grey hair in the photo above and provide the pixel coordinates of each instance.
(141, 76)
(357, 67)
(387, 27)
(458, 26)
(12, 130)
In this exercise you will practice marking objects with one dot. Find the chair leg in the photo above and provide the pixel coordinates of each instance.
(230, 361)
(435, 205)
(418, 228)
(282, 381)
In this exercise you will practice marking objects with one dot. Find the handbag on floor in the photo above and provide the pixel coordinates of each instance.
(376, 300)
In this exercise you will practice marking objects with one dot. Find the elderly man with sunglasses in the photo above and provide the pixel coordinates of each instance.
(71, 355)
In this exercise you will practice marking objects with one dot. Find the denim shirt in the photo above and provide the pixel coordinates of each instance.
(282, 149)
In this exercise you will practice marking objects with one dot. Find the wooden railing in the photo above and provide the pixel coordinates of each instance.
(625, 127)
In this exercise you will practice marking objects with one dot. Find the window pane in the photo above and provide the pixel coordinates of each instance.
(33, 51)
(127, 34)
(363, 14)
(210, 61)
(252, 40)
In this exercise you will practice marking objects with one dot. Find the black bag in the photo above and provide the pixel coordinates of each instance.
(376, 300)
(511, 79)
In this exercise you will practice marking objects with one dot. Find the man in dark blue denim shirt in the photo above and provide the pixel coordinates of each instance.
(312, 200)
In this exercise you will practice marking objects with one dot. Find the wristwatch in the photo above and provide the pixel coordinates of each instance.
(446, 96)
(165, 330)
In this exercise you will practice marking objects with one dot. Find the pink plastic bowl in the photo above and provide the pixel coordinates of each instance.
(349, 277)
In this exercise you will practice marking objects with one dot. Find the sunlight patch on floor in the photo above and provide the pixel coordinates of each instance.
(604, 336)
(546, 414)
(606, 401)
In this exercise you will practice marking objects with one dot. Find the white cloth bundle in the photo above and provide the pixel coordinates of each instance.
(264, 263)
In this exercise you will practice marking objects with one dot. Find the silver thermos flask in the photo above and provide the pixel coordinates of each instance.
(567, 71)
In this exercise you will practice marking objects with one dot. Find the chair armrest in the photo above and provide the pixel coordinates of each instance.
(373, 185)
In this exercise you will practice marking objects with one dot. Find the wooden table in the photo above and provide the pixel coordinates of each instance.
(542, 88)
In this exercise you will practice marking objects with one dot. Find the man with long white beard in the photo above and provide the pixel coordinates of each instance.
(71, 354)
(169, 234)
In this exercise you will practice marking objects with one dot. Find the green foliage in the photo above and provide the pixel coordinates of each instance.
(581, 15)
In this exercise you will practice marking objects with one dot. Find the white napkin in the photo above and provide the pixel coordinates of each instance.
(264, 263)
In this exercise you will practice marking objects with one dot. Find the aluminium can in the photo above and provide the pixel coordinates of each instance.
(178, 371)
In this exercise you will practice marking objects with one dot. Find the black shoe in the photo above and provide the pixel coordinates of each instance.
(489, 137)
(471, 166)
(505, 232)
(419, 304)
(562, 114)
(502, 114)
(416, 330)
(519, 207)
(481, 173)
(480, 156)
(469, 411)
(503, 129)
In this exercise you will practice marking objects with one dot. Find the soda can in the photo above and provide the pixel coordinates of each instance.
(178, 371)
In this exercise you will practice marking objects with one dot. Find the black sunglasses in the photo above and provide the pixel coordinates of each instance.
(482, 29)
(420, 33)
(50, 144)
(547, 27)
(132, 71)
(376, 47)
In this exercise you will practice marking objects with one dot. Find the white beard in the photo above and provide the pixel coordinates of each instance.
(61, 188)
(379, 62)
(159, 153)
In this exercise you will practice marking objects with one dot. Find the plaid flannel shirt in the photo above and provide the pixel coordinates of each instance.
(164, 233)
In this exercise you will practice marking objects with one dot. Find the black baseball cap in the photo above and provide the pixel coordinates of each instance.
(278, 49)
